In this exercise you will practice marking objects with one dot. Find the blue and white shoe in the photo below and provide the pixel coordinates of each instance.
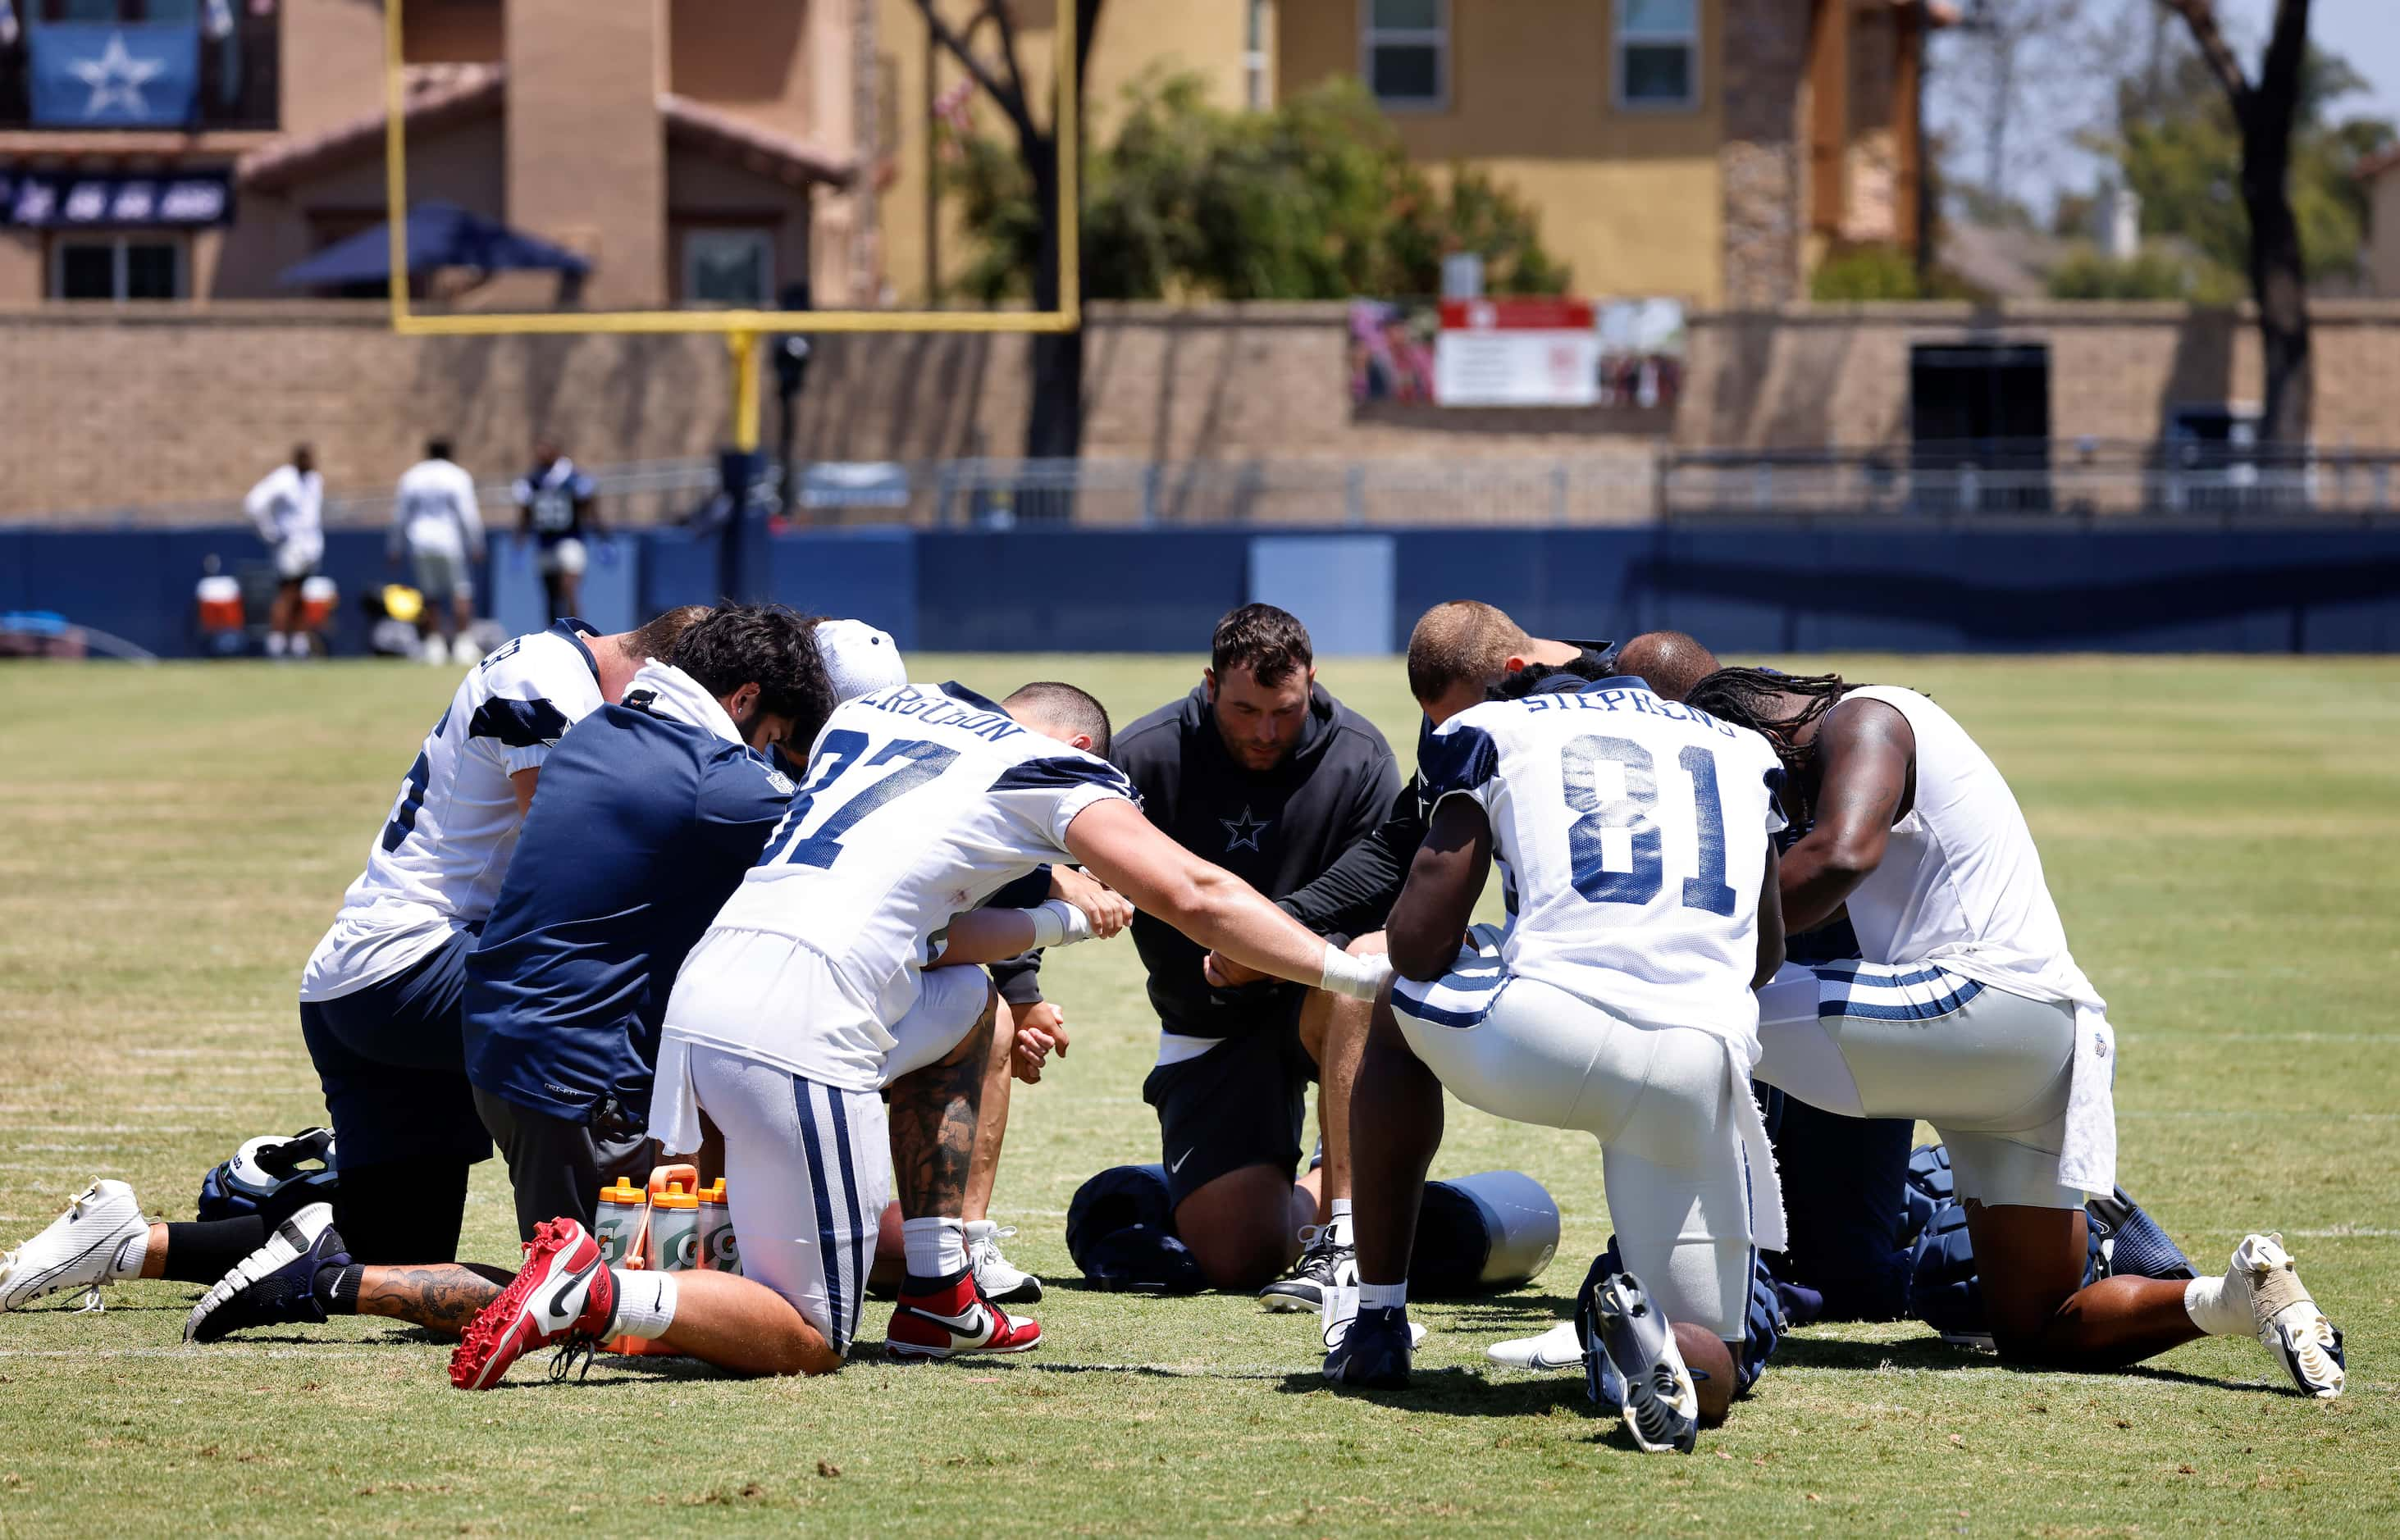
(1625, 1331)
(2290, 1325)
(275, 1285)
(80, 1249)
(1559, 1348)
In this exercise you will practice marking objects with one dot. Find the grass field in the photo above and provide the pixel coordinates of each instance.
(2220, 835)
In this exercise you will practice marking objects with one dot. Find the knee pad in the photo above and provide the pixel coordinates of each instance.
(1482, 1234)
(2130, 1243)
(1929, 1177)
(1944, 1290)
(1121, 1233)
(272, 1177)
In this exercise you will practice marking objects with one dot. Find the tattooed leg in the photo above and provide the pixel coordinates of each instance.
(933, 1117)
(442, 1297)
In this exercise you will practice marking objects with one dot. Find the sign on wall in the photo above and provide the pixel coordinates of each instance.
(1518, 352)
(41, 200)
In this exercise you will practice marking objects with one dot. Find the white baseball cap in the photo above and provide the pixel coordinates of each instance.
(860, 657)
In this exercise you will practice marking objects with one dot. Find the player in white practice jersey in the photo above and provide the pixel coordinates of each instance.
(436, 518)
(288, 506)
(1631, 834)
(825, 980)
(1968, 1011)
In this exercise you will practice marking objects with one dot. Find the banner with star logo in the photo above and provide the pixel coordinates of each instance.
(115, 76)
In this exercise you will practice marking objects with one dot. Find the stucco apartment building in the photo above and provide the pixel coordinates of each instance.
(722, 150)
(692, 150)
(1706, 150)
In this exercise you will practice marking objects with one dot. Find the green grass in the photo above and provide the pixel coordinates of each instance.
(2221, 838)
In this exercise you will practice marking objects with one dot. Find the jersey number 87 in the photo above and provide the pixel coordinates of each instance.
(918, 761)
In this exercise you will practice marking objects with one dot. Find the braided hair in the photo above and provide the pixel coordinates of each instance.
(1754, 698)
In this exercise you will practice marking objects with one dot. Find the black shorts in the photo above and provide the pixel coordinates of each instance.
(394, 1067)
(556, 1168)
(1241, 1103)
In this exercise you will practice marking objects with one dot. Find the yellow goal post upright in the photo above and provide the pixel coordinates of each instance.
(740, 328)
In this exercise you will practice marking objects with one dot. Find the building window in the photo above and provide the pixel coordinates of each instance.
(729, 266)
(1658, 53)
(1406, 49)
(118, 267)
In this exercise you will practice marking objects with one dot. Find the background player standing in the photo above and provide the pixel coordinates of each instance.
(437, 519)
(288, 506)
(558, 512)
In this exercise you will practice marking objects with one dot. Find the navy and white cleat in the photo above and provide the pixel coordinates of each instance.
(79, 1250)
(2290, 1324)
(1626, 1332)
(275, 1285)
(1369, 1351)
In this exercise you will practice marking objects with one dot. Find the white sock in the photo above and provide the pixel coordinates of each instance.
(937, 1247)
(300, 643)
(1342, 1234)
(276, 644)
(130, 1254)
(1384, 1296)
(2219, 1306)
(646, 1303)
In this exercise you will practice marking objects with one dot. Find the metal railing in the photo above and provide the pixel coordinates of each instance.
(2085, 482)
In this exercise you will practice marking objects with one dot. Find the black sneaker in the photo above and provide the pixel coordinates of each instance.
(1324, 1264)
(276, 1284)
(1371, 1351)
(1628, 1333)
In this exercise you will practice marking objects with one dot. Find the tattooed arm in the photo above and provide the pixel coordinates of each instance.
(1866, 759)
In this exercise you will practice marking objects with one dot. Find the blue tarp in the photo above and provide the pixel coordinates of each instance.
(439, 235)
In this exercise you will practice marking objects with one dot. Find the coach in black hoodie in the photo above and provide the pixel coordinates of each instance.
(1261, 771)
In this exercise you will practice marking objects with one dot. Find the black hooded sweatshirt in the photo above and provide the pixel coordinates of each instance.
(1278, 831)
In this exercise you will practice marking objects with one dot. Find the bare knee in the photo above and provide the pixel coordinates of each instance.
(1239, 1227)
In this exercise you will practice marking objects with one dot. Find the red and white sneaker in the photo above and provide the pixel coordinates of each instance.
(564, 1291)
(956, 1318)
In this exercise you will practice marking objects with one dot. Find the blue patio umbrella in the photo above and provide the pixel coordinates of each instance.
(439, 234)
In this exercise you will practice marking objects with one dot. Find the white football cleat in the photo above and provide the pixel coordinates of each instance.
(1559, 1348)
(1002, 1281)
(78, 1250)
(2290, 1325)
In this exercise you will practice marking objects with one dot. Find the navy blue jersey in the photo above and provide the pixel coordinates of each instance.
(643, 824)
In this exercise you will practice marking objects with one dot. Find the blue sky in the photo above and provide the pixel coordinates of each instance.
(2367, 33)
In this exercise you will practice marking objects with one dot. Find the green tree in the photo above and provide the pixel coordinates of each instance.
(1315, 200)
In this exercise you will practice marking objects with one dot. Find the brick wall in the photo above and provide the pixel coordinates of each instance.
(123, 408)
(1766, 57)
(119, 408)
(1806, 377)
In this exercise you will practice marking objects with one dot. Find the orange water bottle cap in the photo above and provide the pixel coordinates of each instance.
(714, 1192)
(675, 1197)
(622, 1191)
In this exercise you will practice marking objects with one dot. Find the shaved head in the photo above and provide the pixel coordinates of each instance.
(1061, 712)
(1669, 661)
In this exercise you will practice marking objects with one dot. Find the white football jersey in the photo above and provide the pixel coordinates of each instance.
(437, 865)
(920, 802)
(286, 505)
(1960, 883)
(1631, 834)
(436, 511)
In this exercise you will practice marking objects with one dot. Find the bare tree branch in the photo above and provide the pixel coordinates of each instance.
(2200, 17)
(1011, 103)
(999, 13)
(2287, 46)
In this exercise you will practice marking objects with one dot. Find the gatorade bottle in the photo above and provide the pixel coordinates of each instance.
(674, 1228)
(719, 1251)
(660, 1213)
(620, 1220)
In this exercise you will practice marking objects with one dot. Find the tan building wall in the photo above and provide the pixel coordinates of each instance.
(586, 154)
(332, 62)
(452, 31)
(1631, 200)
